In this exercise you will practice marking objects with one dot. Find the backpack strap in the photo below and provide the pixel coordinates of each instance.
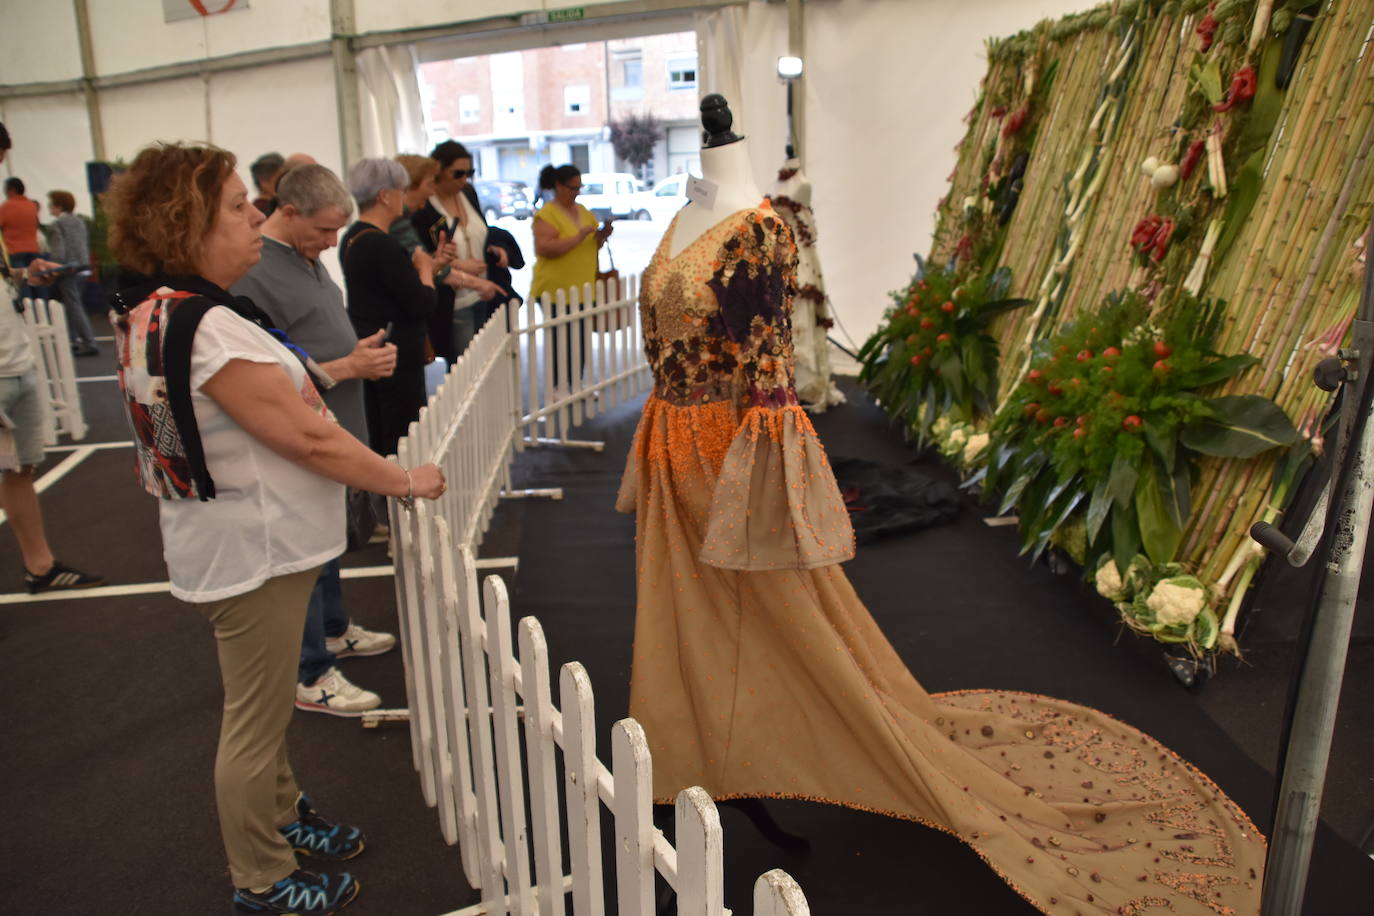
(178, 337)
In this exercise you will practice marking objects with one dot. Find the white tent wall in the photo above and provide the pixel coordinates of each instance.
(128, 36)
(52, 145)
(38, 42)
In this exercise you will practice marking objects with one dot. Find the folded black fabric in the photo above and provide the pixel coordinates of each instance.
(884, 500)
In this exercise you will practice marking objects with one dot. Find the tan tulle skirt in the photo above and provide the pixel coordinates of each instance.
(771, 679)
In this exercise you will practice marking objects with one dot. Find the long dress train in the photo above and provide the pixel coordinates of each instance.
(758, 672)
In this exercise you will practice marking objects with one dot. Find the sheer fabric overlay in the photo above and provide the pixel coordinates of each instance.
(758, 671)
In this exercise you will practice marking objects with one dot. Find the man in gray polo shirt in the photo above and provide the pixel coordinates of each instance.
(292, 287)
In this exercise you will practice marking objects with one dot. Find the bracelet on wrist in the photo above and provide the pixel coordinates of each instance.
(408, 501)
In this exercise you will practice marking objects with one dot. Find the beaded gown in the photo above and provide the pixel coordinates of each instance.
(758, 672)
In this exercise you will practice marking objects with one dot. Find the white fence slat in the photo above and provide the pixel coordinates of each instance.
(415, 523)
(580, 788)
(441, 710)
(489, 854)
(540, 748)
(402, 561)
(509, 771)
(455, 705)
(634, 822)
(700, 872)
(777, 894)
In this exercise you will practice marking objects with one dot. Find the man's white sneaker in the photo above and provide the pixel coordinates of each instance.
(334, 694)
(357, 641)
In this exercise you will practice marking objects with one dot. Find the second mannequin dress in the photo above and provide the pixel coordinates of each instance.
(758, 672)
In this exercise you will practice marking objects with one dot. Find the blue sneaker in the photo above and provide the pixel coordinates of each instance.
(301, 893)
(312, 835)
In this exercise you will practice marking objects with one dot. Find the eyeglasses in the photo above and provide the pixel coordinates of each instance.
(462, 173)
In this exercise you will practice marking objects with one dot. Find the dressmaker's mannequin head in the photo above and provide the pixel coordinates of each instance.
(716, 119)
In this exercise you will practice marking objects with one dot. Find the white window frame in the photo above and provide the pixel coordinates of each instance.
(469, 108)
(679, 64)
(579, 95)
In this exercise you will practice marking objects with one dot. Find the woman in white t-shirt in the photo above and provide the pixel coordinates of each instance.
(232, 435)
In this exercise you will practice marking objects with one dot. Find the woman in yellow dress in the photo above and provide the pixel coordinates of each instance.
(566, 243)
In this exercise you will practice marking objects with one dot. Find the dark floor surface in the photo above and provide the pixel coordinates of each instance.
(106, 791)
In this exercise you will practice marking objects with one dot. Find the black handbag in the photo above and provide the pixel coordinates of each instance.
(360, 518)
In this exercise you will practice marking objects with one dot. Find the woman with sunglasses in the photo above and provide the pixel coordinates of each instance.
(566, 242)
(453, 216)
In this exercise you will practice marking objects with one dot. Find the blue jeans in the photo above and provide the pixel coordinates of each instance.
(325, 618)
(24, 259)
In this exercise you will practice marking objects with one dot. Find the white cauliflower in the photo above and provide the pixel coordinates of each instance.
(974, 446)
(1109, 584)
(957, 438)
(940, 427)
(1177, 601)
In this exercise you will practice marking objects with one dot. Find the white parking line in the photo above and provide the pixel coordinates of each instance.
(64, 467)
(151, 588)
(97, 378)
(93, 446)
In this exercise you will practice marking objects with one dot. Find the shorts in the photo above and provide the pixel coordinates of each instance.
(19, 399)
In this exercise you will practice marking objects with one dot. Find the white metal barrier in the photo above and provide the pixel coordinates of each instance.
(499, 803)
(579, 352)
(46, 322)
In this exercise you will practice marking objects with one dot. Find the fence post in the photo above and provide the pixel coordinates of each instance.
(634, 824)
(431, 618)
(450, 591)
(776, 894)
(509, 771)
(701, 880)
(580, 788)
(489, 853)
(540, 751)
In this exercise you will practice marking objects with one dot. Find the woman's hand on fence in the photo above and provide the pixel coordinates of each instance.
(427, 482)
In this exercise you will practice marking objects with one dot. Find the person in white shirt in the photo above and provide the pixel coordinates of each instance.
(232, 434)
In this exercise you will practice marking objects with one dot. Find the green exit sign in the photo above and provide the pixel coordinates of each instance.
(571, 14)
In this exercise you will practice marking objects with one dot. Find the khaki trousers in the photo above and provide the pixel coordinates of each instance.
(259, 639)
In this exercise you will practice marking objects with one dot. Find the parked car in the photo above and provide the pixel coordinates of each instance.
(504, 198)
(664, 200)
(611, 195)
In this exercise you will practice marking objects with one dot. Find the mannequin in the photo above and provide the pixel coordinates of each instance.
(728, 184)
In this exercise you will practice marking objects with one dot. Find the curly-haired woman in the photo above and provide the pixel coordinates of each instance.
(250, 467)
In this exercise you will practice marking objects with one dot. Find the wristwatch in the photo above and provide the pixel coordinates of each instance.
(442, 272)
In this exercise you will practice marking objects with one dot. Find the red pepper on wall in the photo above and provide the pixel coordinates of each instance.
(1207, 28)
(1242, 89)
(1144, 233)
(1016, 121)
(1192, 158)
(1160, 243)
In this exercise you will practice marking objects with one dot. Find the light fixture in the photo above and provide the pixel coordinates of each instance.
(789, 68)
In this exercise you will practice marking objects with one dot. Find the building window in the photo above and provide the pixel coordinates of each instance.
(577, 100)
(581, 156)
(632, 72)
(469, 108)
(682, 72)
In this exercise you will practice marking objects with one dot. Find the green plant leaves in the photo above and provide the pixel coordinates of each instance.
(1241, 426)
(1121, 481)
(1219, 370)
(1159, 533)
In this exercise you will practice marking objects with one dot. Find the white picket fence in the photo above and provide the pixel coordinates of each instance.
(499, 804)
(46, 322)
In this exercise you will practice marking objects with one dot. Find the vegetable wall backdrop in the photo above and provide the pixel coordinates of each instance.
(1154, 231)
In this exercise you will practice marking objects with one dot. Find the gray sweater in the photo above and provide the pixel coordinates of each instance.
(70, 241)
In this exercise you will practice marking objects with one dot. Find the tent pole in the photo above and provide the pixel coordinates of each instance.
(97, 124)
(342, 49)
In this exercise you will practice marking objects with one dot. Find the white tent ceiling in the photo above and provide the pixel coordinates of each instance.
(887, 85)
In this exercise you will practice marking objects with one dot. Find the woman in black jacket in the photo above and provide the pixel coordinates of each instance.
(452, 219)
(387, 288)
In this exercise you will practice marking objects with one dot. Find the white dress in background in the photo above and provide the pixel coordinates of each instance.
(811, 315)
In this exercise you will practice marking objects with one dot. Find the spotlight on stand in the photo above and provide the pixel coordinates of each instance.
(789, 68)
